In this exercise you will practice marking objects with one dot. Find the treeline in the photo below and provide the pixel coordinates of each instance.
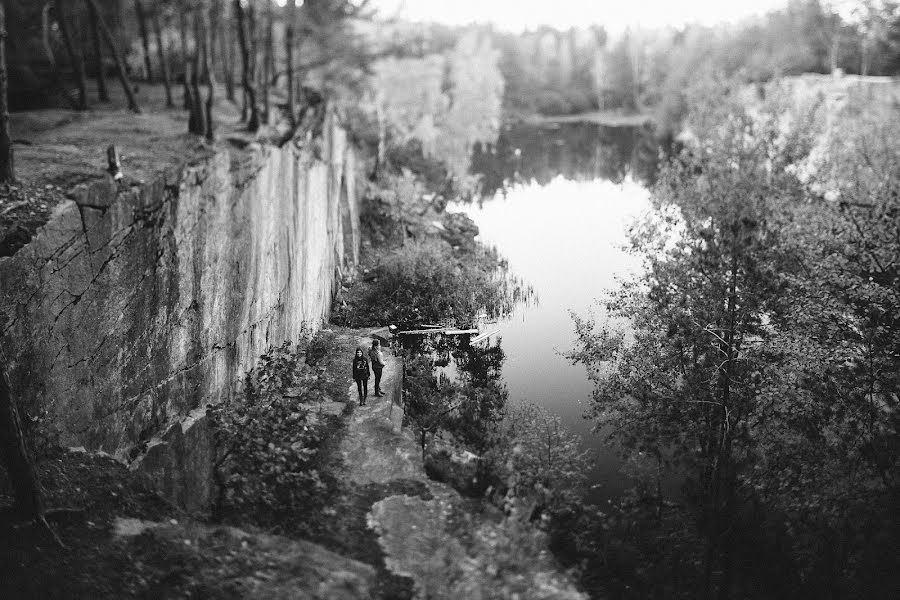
(550, 71)
(53, 47)
(430, 100)
(763, 359)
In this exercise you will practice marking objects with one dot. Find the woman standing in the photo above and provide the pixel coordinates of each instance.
(377, 359)
(361, 375)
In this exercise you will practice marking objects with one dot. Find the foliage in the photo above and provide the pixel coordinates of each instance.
(545, 462)
(429, 282)
(763, 349)
(509, 549)
(550, 71)
(267, 441)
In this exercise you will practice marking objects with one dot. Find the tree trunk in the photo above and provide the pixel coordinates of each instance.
(214, 20)
(197, 119)
(120, 64)
(226, 43)
(834, 51)
(145, 38)
(247, 64)
(268, 62)
(162, 51)
(189, 99)
(102, 92)
(75, 57)
(15, 456)
(290, 21)
(7, 164)
(54, 66)
(183, 26)
(210, 71)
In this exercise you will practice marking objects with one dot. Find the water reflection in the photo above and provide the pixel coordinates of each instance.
(575, 151)
(559, 215)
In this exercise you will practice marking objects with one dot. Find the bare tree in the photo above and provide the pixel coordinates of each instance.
(290, 17)
(163, 52)
(102, 92)
(206, 32)
(51, 58)
(268, 62)
(213, 22)
(226, 43)
(196, 118)
(114, 51)
(75, 57)
(7, 164)
(183, 27)
(145, 37)
(248, 68)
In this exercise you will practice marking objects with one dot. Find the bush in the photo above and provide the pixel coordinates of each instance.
(427, 282)
(268, 440)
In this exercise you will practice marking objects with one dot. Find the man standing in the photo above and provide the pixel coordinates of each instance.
(376, 357)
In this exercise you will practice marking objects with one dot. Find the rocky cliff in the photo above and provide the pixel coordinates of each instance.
(135, 306)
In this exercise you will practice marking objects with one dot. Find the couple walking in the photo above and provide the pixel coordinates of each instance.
(361, 371)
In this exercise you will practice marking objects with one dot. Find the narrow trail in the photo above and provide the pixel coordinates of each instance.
(376, 449)
(450, 546)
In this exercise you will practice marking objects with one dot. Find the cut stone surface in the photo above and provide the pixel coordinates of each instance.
(134, 306)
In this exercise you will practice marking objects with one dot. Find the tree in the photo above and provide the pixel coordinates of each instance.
(226, 41)
(197, 111)
(7, 162)
(74, 53)
(688, 379)
(145, 38)
(51, 58)
(111, 46)
(245, 26)
(427, 404)
(290, 17)
(183, 12)
(545, 462)
(163, 53)
(100, 74)
(206, 32)
(268, 61)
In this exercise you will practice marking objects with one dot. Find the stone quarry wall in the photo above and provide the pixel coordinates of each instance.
(131, 310)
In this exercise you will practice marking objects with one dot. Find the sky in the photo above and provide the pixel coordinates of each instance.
(614, 15)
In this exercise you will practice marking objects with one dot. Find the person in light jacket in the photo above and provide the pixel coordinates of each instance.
(361, 375)
(376, 357)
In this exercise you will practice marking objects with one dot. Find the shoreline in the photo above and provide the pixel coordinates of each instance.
(607, 118)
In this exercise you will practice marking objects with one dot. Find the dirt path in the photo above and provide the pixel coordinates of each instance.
(376, 449)
(450, 546)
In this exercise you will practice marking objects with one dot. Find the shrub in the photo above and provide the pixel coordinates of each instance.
(268, 440)
(427, 282)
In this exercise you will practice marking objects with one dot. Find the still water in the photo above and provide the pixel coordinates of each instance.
(558, 206)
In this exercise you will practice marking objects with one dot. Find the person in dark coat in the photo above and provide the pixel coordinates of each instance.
(361, 375)
(376, 357)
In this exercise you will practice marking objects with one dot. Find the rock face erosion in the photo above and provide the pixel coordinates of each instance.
(132, 309)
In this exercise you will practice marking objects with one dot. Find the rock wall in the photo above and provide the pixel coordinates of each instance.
(133, 309)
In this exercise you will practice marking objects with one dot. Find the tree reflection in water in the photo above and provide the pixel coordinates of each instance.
(575, 151)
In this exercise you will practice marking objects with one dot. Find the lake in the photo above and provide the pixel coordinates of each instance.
(557, 205)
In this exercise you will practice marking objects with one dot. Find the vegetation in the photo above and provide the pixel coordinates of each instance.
(764, 350)
(427, 282)
(268, 440)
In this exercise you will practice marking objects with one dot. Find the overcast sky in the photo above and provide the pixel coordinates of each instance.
(615, 15)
